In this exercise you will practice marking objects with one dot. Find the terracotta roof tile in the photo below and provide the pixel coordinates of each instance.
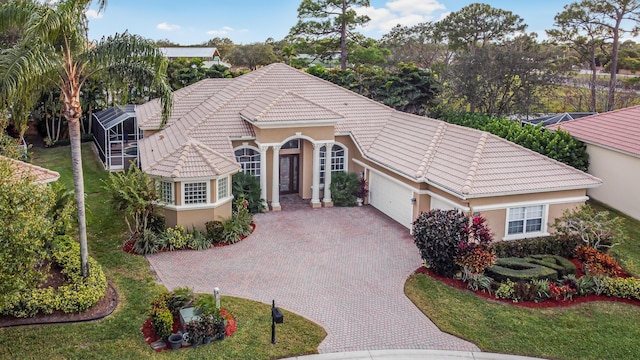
(619, 129)
(468, 162)
(22, 170)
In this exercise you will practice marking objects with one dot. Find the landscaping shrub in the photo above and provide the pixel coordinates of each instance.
(148, 243)
(248, 186)
(438, 234)
(595, 262)
(476, 281)
(178, 299)
(176, 238)
(215, 229)
(563, 266)
(77, 294)
(525, 291)
(161, 321)
(506, 290)
(345, 188)
(595, 229)
(628, 288)
(475, 253)
(198, 240)
(544, 292)
(585, 285)
(517, 269)
(552, 245)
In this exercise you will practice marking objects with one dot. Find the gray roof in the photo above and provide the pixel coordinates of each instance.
(557, 118)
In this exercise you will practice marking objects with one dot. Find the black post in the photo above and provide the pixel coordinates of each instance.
(273, 323)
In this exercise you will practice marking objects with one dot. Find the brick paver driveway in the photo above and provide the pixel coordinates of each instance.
(343, 268)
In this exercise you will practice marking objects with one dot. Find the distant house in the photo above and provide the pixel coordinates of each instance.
(292, 131)
(613, 144)
(22, 169)
(209, 55)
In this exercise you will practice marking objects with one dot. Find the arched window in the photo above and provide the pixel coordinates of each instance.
(338, 160)
(249, 159)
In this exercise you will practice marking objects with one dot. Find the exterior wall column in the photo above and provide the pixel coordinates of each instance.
(263, 174)
(275, 190)
(315, 192)
(326, 201)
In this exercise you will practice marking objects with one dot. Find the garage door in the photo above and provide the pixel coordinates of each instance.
(391, 198)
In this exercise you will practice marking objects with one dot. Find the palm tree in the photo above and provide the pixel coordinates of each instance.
(54, 49)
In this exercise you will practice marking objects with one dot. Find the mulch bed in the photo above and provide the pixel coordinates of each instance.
(128, 245)
(103, 308)
(150, 336)
(459, 284)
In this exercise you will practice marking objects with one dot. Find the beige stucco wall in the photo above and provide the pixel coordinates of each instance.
(197, 218)
(267, 136)
(620, 174)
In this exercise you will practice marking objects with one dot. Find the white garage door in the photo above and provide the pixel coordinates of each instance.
(391, 198)
(439, 204)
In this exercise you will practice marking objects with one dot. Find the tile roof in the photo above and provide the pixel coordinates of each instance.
(618, 130)
(22, 169)
(281, 106)
(467, 162)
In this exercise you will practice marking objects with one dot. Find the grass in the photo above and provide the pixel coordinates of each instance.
(598, 330)
(118, 336)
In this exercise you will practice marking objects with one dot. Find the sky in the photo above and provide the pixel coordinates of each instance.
(191, 22)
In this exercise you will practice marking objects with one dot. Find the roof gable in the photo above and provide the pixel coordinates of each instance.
(285, 106)
(618, 130)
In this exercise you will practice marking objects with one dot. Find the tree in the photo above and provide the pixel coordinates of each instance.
(476, 25)
(253, 55)
(505, 78)
(369, 52)
(414, 44)
(225, 46)
(330, 19)
(54, 50)
(609, 15)
(577, 30)
(409, 89)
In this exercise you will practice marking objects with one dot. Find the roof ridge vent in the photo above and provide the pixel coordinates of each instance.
(475, 162)
(431, 150)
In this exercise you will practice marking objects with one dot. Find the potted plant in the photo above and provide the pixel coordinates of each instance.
(364, 191)
(195, 331)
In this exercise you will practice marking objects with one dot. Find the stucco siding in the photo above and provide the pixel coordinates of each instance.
(196, 217)
(620, 174)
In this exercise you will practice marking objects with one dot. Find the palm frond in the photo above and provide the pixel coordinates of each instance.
(16, 14)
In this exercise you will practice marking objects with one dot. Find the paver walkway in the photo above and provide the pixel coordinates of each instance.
(343, 268)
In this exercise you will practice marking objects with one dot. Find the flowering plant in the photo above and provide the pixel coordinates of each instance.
(565, 292)
(364, 188)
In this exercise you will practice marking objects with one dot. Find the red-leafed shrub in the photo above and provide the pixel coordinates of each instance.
(596, 263)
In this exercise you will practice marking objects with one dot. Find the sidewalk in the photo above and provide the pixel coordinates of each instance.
(411, 355)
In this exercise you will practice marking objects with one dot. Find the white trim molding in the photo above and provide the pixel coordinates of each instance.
(200, 206)
(443, 199)
(530, 203)
(525, 235)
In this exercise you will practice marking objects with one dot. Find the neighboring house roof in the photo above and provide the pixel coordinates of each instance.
(553, 119)
(463, 161)
(618, 130)
(189, 52)
(22, 170)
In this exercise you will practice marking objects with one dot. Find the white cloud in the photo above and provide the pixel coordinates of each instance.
(403, 12)
(92, 14)
(225, 30)
(167, 27)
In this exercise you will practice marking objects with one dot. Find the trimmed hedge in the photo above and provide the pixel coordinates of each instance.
(563, 266)
(628, 288)
(76, 295)
(519, 269)
(551, 245)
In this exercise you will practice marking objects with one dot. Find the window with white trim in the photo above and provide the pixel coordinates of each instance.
(223, 188)
(165, 192)
(338, 160)
(526, 219)
(249, 160)
(195, 193)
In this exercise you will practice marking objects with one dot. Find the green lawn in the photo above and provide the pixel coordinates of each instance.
(599, 330)
(118, 336)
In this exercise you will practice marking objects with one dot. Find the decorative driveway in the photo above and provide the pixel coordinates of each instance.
(343, 268)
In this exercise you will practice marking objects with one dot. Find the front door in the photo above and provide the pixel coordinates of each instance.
(289, 173)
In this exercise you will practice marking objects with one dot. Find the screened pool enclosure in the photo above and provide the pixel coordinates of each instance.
(116, 135)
